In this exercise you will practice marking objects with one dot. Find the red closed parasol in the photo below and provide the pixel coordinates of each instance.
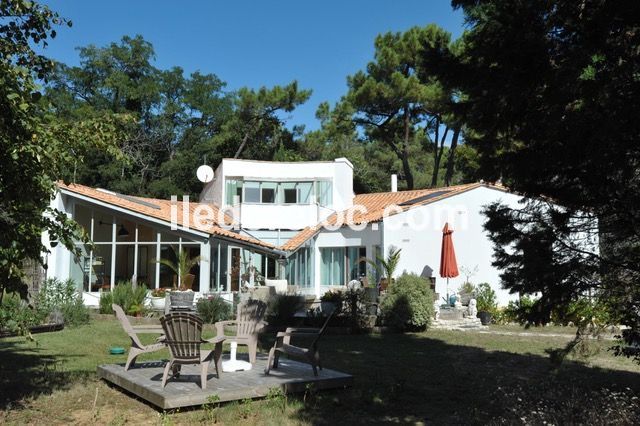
(448, 264)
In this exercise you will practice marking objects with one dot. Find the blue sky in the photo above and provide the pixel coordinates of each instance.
(259, 43)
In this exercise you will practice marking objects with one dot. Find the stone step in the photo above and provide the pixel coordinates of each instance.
(458, 324)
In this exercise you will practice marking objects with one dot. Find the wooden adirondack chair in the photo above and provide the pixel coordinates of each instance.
(283, 346)
(183, 336)
(137, 348)
(249, 321)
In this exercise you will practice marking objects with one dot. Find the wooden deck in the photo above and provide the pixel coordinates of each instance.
(144, 380)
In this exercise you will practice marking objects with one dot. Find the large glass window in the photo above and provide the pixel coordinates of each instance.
(304, 192)
(357, 262)
(268, 192)
(277, 192)
(233, 188)
(377, 255)
(324, 193)
(252, 192)
(299, 268)
(332, 266)
(289, 193)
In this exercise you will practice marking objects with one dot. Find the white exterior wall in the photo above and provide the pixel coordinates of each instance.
(421, 245)
(58, 259)
(343, 237)
(274, 216)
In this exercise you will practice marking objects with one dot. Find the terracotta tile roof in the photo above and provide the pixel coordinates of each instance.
(161, 209)
(375, 204)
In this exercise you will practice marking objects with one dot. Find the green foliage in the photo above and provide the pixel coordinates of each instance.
(181, 266)
(516, 311)
(401, 102)
(130, 299)
(36, 147)
(282, 308)
(277, 398)
(106, 300)
(63, 296)
(17, 316)
(577, 81)
(408, 304)
(213, 309)
(467, 288)
(486, 298)
(585, 312)
(387, 266)
(354, 308)
(256, 123)
(333, 296)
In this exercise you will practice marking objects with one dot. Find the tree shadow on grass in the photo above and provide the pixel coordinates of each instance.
(414, 378)
(28, 372)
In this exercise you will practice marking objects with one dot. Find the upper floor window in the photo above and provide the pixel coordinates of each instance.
(251, 192)
(324, 193)
(267, 192)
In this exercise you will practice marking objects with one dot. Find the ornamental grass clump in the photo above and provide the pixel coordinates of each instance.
(213, 309)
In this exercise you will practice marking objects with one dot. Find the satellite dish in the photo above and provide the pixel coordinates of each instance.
(204, 173)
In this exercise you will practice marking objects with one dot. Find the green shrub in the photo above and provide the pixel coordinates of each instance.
(354, 308)
(106, 299)
(213, 309)
(17, 316)
(282, 308)
(486, 298)
(516, 311)
(336, 297)
(583, 312)
(62, 296)
(408, 304)
(130, 299)
(75, 313)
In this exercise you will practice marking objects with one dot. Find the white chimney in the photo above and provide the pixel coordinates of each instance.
(394, 183)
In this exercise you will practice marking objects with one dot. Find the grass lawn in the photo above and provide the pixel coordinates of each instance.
(432, 377)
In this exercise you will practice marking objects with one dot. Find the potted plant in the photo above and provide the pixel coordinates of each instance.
(467, 292)
(331, 300)
(157, 298)
(386, 266)
(181, 296)
(487, 303)
(136, 310)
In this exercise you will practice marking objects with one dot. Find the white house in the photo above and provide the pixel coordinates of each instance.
(300, 221)
(274, 200)
(324, 256)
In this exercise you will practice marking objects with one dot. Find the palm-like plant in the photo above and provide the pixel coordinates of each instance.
(182, 265)
(388, 266)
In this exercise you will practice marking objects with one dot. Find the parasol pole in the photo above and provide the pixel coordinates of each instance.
(447, 290)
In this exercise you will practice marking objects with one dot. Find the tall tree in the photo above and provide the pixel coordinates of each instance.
(398, 98)
(175, 116)
(36, 147)
(257, 122)
(554, 96)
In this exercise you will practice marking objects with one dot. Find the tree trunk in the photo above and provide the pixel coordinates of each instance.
(245, 139)
(437, 155)
(406, 167)
(452, 152)
(242, 145)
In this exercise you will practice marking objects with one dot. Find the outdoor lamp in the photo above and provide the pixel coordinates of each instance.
(122, 232)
